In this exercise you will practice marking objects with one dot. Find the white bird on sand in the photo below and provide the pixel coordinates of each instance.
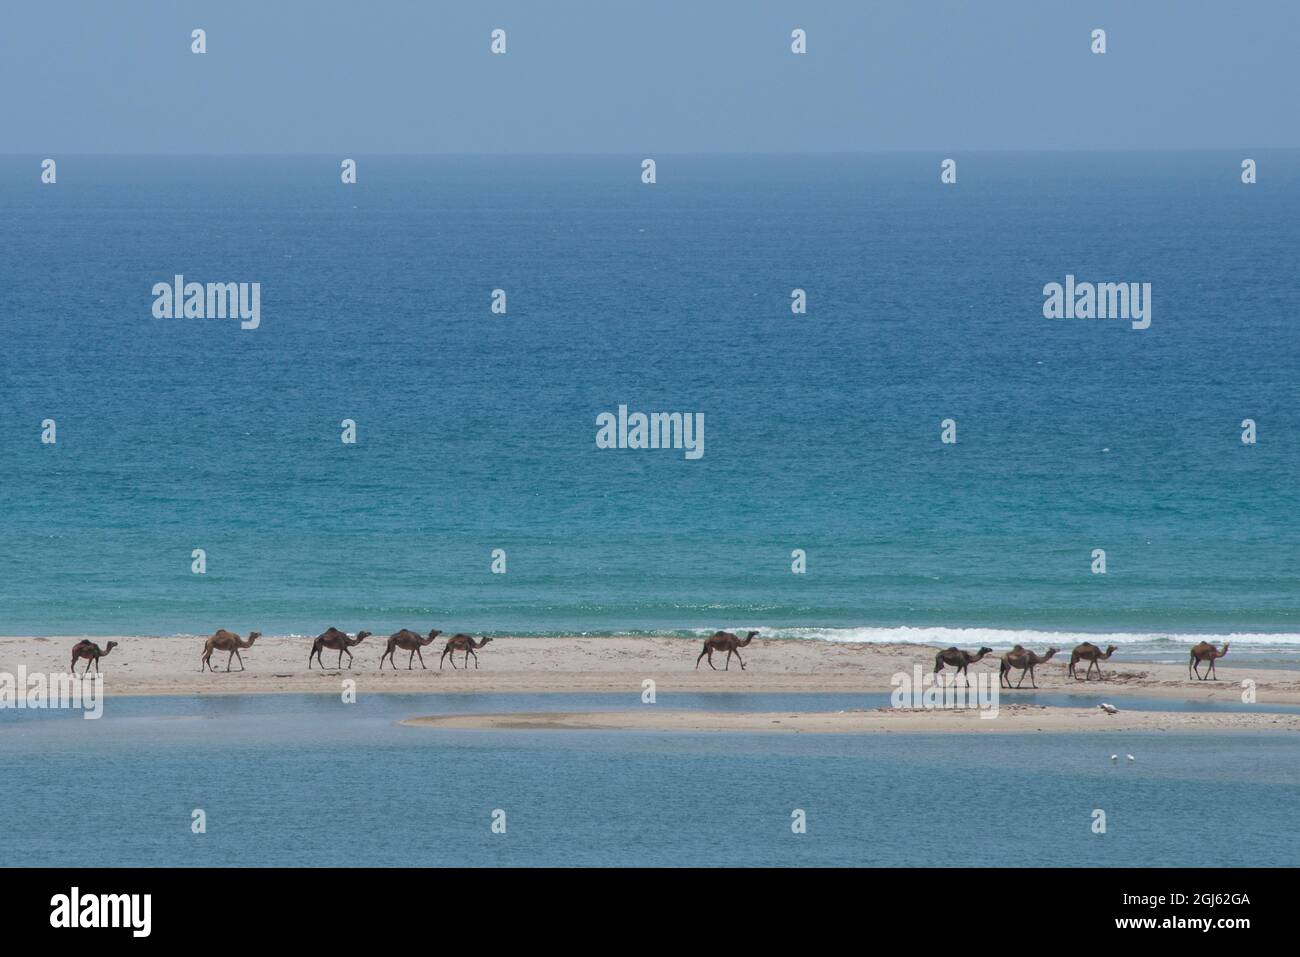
(1114, 757)
(1108, 708)
(1131, 758)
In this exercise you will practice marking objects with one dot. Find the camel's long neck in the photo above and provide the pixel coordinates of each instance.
(1046, 657)
(747, 640)
(354, 641)
(1224, 651)
(245, 644)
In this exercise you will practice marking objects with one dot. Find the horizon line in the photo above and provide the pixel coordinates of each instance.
(642, 153)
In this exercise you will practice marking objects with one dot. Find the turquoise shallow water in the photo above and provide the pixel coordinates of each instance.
(307, 780)
(477, 431)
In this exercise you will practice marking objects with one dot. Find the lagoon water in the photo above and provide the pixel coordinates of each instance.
(477, 431)
(306, 780)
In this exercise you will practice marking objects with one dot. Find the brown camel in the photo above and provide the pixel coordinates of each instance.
(961, 660)
(91, 652)
(410, 641)
(335, 640)
(725, 641)
(1202, 652)
(461, 643)
(227, 641)
(1023, 660)
(1092, 654)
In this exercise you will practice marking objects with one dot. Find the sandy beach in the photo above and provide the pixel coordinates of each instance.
(1013, 718)
(170, 666)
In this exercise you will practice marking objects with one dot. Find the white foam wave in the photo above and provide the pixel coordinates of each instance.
(1006, 637)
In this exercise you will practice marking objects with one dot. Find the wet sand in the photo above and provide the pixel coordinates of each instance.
(1013, 718)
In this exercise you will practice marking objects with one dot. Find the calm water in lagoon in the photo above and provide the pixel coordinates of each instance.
(306, 780)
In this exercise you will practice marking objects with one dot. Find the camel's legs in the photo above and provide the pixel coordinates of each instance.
(468, 652)
(444, 658)
(1032, 680)
(697, 660)
(1214, 673)
(728, 665)
(1022, 677)
(340, 664)
(741, 660)
(711, 664)
(229, 659)
(411, 660)
(421, 654)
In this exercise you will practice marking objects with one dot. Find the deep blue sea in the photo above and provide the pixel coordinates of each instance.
(477, 431)
(306, 780)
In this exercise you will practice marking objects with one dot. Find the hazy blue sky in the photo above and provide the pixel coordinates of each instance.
(381, 76)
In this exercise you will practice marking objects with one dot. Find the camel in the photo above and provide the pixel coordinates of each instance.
(91, 652)
(335, 640)
(1092, 654)
(958, 658)
(461, 643)
(224, 640)
(725, 641)
(1025, 661)
(410, 641)
(1202, 652)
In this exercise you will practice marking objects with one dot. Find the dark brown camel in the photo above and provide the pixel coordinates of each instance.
(1202, 652)
(959, 659)
(335, 640)
(1023, 660)
(91, 652)
(461, 643)
(410, 641)
(1092, 654)
(227, 641)
(725, 641)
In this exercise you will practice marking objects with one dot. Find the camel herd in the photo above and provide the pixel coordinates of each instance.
(1018, 658)
(336, 640)
(1024, 661)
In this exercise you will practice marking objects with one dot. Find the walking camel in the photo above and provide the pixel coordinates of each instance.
(1202, 652)
(224, 640)
(461, 643)
(961, 660)
(335, 640)
(1023, 660)
(725, 641)
(1092, 654)
(91, 652)
(410, 641)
